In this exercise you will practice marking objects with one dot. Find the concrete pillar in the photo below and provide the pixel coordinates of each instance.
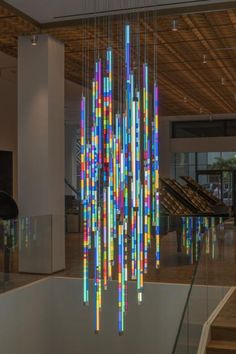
(41, 154)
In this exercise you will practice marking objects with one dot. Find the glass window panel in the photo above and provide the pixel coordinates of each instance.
(231, 127)
(196, 129)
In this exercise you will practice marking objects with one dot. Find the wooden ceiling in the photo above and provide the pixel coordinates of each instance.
(187, 84)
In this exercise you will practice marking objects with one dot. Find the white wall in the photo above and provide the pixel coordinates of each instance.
(169, 146)
(25, 320)
(48, 317)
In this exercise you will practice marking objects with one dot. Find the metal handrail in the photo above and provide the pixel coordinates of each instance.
(72, 187)
(188, 296)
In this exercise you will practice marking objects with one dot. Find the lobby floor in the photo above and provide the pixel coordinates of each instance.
(217, 264)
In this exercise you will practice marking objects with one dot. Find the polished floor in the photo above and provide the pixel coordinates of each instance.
(175, 266)
(217, 265)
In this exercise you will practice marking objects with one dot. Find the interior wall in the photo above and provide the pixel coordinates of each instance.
(61, 324)
(150, 328)
(49, 317)
(25, 320)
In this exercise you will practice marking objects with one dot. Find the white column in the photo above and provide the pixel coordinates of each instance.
(41, 152)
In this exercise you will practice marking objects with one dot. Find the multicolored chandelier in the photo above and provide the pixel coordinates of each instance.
(119, 181)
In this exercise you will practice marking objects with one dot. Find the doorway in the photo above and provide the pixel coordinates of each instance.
(6, 172)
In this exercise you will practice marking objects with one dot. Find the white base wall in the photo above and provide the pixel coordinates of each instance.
(48, 317)
(150, 328)
(25, 320)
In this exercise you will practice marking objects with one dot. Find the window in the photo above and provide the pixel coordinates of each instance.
(203, 129)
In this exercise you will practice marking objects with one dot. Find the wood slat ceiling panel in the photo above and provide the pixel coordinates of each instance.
(187, 85)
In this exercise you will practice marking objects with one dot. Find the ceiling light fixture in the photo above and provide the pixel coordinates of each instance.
(204, 59)
(34, 40)
(222, 81)
(174, 26)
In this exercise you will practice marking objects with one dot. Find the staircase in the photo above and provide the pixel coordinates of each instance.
(223, 330)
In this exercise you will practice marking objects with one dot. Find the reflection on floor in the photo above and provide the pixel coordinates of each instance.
(175, 267)
(217, 265)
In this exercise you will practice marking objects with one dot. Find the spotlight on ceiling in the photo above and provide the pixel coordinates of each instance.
(204, 59)
(174, 26)
(34, 40)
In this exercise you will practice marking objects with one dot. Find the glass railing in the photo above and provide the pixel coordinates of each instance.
(197, 255)
(211, 280)
(26, 250)
(180, 242)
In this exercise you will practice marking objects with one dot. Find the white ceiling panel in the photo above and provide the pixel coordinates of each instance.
(45, 11)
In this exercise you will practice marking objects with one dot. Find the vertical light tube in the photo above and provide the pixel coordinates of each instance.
(105, 254)
(140, 247)
(121, 278)
(89, 195)
(183, 219)
(206, 228)
(84, 200)
(156, 168)
(99, 108)
(128, 92)
(111, 230)
(83, 145)
(147, 166)
(93, 157)
(213, 237)
(133, 152)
